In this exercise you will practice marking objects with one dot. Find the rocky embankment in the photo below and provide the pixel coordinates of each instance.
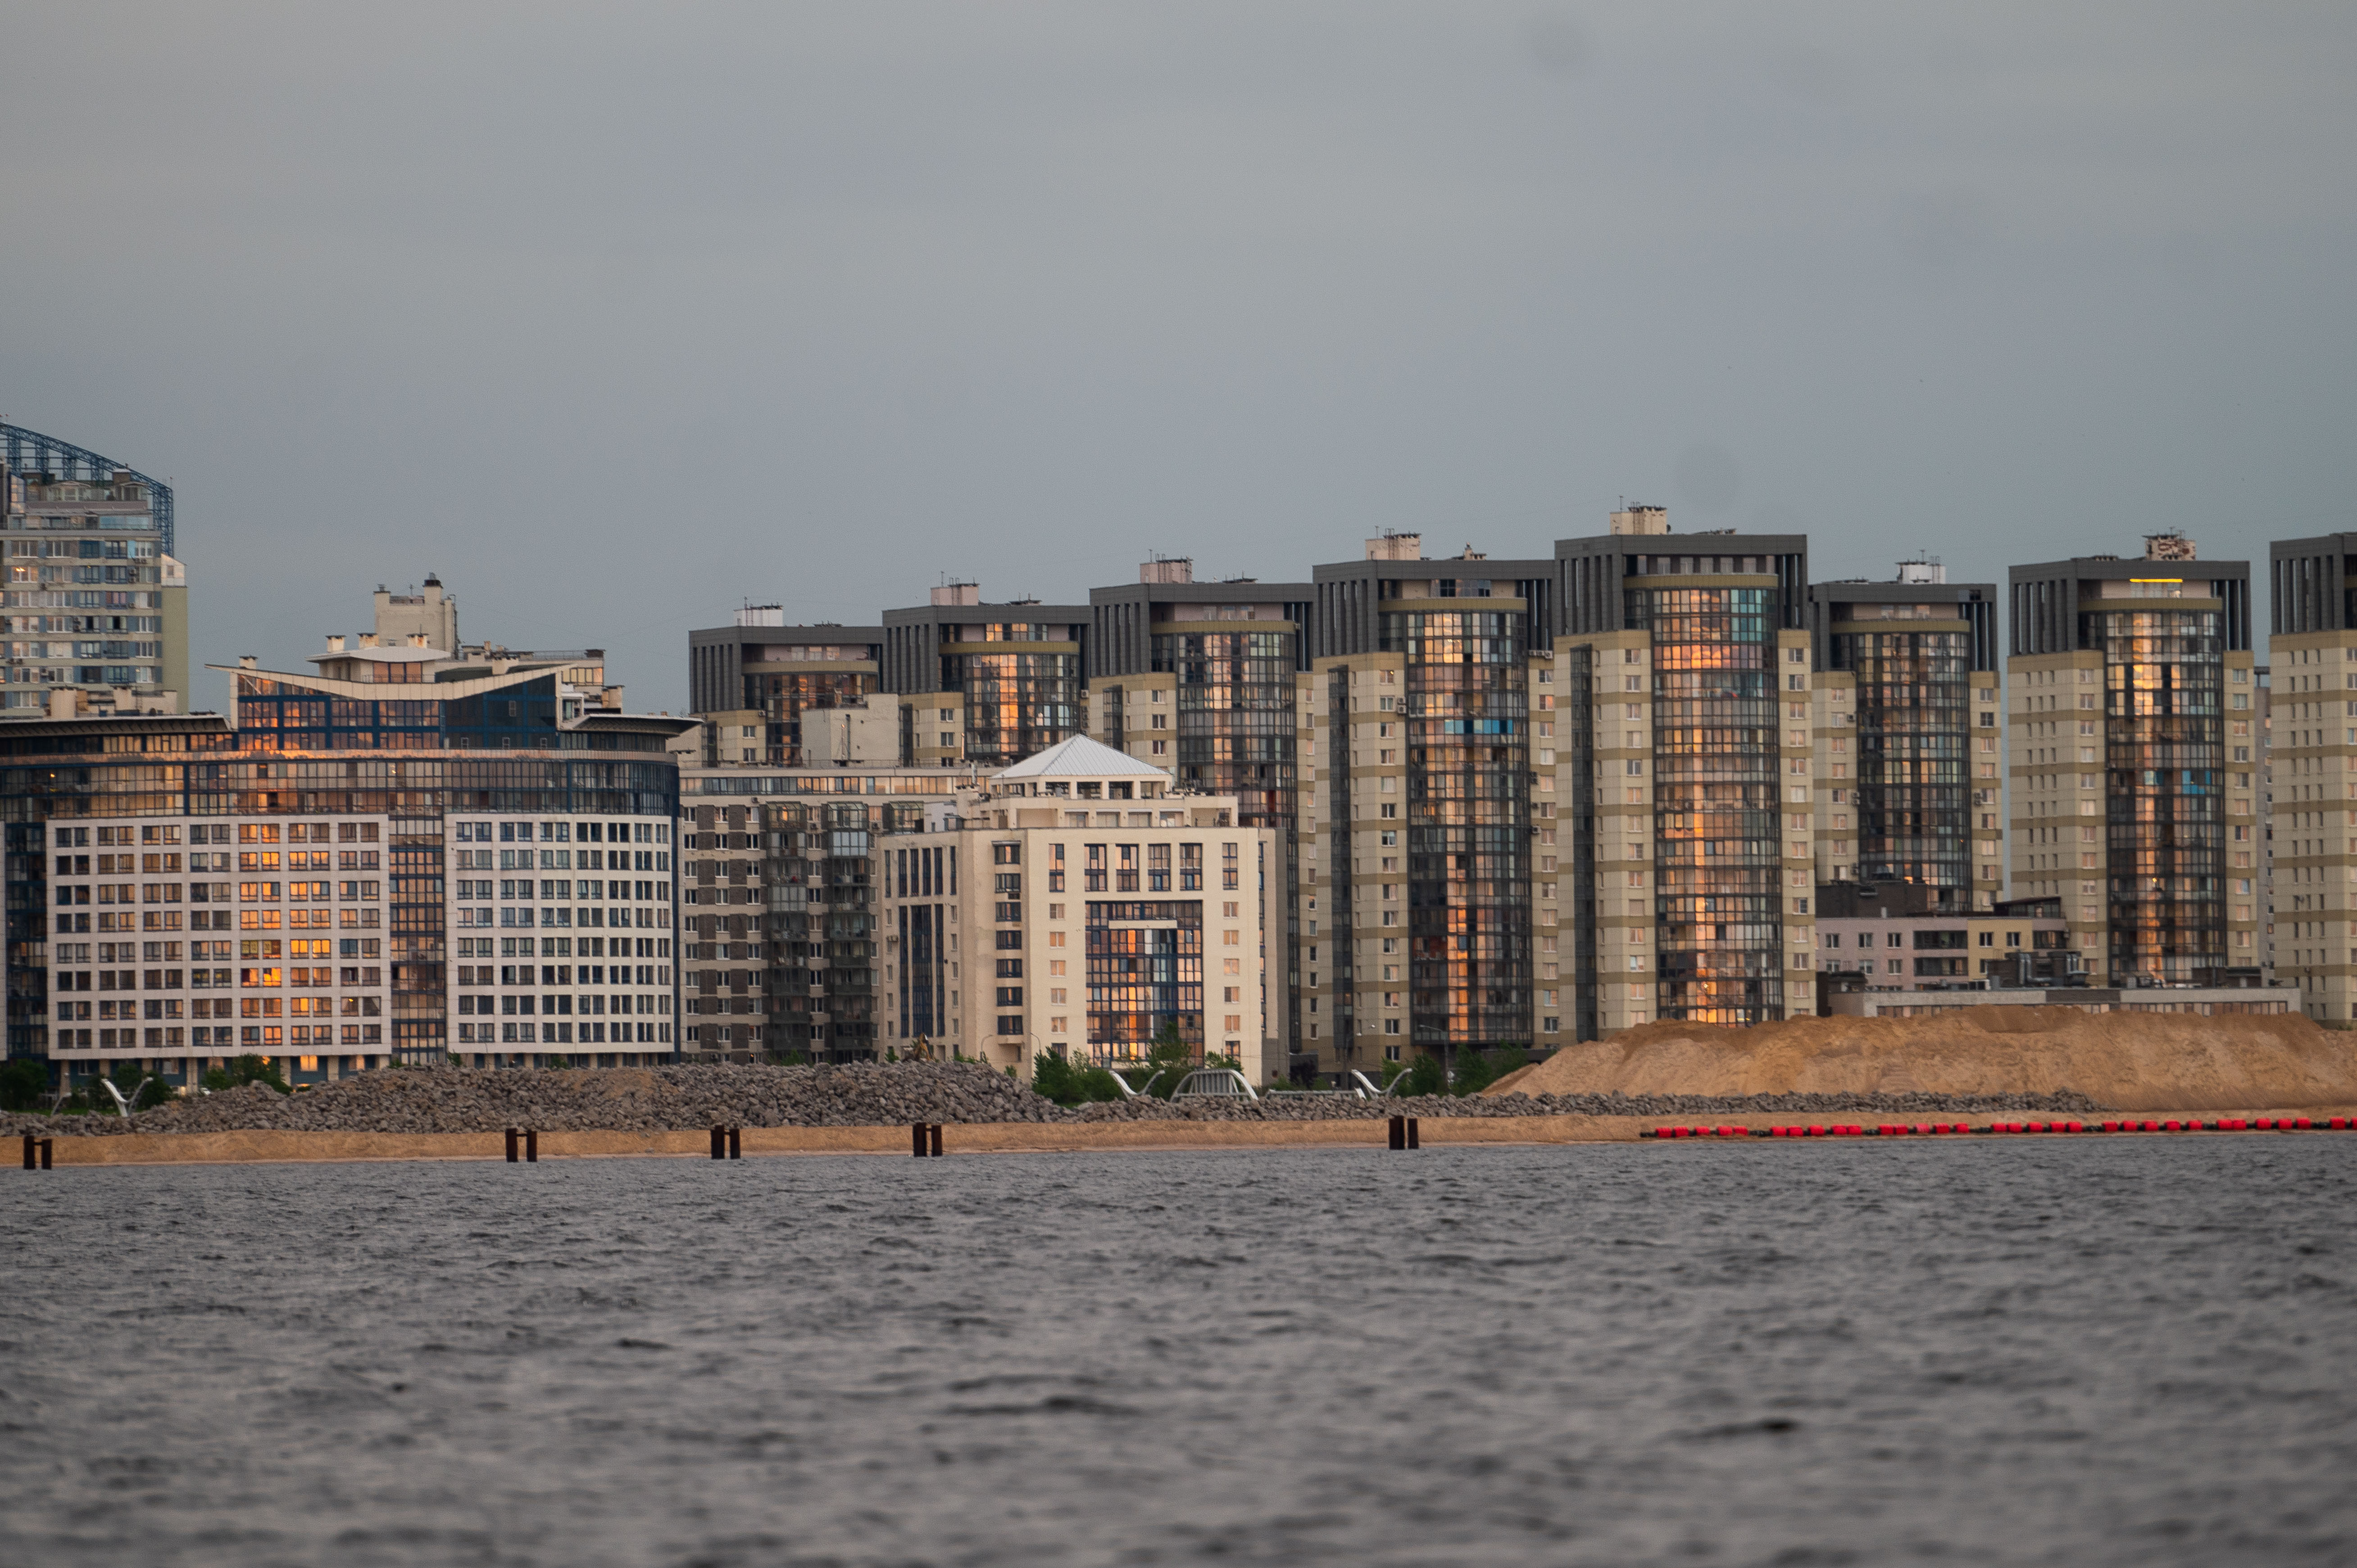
(684, 1098)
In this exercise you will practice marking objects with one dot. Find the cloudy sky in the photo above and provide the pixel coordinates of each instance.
(617, 317)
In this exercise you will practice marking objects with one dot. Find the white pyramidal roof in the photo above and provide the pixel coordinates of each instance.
(1080, 757)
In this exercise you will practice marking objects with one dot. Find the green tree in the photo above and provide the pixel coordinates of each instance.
(1424, 1076)
(1478, 1069)
(247, 1069)
(1068, 1084)
(23, 1085)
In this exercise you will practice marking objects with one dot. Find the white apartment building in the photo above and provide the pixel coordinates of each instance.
(204, 939)
(560, 930)
(1076, 904)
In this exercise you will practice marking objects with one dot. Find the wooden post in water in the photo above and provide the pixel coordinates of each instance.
(937, 1140)
(719, 1142)
(1412, 1141)
(1399, 1132)
(531, 1145)
(917, 1139)
(32, 1154)
(46, 1149)
(735, 1143)
(512, 1145)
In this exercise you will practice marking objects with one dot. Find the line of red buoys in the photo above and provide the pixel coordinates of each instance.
(1938, 1129)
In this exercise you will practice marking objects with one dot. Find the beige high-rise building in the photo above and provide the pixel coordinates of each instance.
(1420, 818)
(1686, 712)
(2312, 692)
(2134, 764)
(1077, 902)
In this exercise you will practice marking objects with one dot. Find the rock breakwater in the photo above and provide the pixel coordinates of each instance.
(684, 1098)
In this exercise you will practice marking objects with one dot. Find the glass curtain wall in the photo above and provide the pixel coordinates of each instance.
(1235, 718)
(1017, 703)
(1145, 969)
(1468, 824)
(823, 954)
(1913, 719)
(2165, 818)
(782, 700)
(1717, 812)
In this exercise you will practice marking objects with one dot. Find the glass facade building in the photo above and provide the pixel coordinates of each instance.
(1424, 868)
(315, 757)
(1718, 791)
(825, 944)
(94, 597)
(753, 684)
(1015, 675)
(2130, 789)
(1918, 653)
(1467, 724)
(1697, 671)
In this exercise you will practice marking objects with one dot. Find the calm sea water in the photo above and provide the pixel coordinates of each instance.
(2031, 1352)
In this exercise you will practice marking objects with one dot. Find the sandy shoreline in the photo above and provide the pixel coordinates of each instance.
(266, 1147)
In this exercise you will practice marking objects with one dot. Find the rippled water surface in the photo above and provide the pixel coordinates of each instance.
(2064, 1352)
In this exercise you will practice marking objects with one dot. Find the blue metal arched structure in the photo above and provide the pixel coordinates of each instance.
(29, 452)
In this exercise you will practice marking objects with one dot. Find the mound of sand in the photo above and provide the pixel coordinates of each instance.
(2132, 1061)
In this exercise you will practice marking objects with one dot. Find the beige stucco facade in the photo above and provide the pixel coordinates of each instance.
(2314, 701)
(992, 916)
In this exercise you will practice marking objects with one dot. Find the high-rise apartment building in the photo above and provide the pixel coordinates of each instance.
(1908, 737)
(987, 684)
(763, 688)
(1684, 680)
(1416, 825)
(2311, 688)
(2132, 759)
(95, 602)
(1200, 679)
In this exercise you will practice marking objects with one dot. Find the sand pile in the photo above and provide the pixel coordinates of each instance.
(2132, 1061)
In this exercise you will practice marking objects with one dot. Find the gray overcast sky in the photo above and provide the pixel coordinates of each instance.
(615, 317)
